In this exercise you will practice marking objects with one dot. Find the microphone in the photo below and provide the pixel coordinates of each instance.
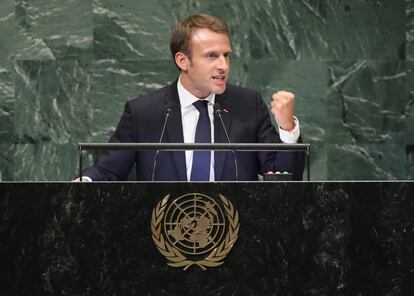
(217, 110)
(168, 111)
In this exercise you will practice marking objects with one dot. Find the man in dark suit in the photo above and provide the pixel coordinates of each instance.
(201, 50)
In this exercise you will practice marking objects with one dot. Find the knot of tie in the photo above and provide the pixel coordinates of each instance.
(201, 106)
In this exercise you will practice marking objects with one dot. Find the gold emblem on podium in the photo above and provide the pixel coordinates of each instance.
(194, 229)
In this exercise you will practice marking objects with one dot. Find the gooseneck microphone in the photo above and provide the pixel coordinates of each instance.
(168, 111)
(217, 110)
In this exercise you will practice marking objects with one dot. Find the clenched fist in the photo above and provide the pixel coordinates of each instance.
(282, 106)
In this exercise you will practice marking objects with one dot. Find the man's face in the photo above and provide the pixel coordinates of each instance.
(208, 70)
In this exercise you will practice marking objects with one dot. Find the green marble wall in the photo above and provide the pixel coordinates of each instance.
(67, 68)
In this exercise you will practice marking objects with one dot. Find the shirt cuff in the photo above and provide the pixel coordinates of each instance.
(86, 179)
(292, 136)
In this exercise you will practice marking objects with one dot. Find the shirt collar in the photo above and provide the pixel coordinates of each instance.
(187, 99)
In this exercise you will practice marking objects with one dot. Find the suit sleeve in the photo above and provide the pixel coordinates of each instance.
(115, 165)
(292, 162)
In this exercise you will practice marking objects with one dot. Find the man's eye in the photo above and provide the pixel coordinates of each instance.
(211, 55)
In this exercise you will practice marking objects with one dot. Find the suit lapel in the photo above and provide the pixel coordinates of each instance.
(175, 130)
(220, 136)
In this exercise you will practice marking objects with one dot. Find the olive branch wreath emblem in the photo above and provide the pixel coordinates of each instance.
(177, 258)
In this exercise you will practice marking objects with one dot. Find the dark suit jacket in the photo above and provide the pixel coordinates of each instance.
(247, 120)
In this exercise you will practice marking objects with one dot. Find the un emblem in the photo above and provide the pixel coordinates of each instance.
(194, 229)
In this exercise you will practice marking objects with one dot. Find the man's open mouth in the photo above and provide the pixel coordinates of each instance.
(220, 77)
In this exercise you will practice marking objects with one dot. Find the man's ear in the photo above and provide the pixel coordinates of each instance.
(182, 61)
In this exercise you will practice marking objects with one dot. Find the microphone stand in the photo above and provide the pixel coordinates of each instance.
(167, 116)
(217, 110)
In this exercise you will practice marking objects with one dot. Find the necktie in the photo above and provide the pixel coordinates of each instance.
(200, 170)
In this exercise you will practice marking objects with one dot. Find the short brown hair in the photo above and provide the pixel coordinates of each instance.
(181, 34)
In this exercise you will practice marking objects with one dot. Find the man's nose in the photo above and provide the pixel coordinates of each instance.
(223, 62)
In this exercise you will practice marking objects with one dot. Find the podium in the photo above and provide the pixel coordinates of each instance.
(294, 238)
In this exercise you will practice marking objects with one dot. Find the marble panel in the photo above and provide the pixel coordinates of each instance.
(239, 70)
(409, 110)
(52, 101)
(44, 162)
(62, 28)
(364, 218)
(14, 41)
(292, 29)
(131, 29)
(288, 29)
(6, 102)
(367, 101)
(116, 82)
(410, 162)
(8, 29)
(410, 30)
(366, 162)
(319, 246)
(366, 29)
(306, 79)
(6, 162)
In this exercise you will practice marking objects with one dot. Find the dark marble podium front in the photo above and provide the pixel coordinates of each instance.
(328, 238)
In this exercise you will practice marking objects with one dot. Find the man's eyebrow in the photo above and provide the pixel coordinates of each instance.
(210, 52)
(216, 52)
